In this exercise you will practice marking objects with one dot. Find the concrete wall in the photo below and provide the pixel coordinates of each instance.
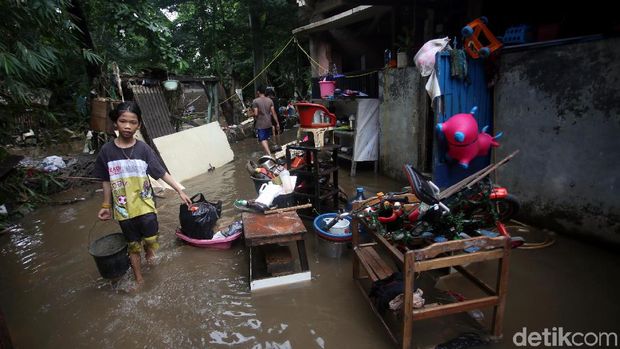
(560, 106)
(403, 114)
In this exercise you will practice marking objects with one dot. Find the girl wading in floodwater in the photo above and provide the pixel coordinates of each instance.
(124, 166)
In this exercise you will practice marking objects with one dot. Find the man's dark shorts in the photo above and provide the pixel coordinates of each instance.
(263, 134)
(144, 227)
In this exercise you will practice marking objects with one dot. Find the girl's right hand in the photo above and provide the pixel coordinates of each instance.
(104, 214)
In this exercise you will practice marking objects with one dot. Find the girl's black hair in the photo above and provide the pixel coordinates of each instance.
(129, 106)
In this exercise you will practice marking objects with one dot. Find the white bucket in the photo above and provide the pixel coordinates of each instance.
(340, 228)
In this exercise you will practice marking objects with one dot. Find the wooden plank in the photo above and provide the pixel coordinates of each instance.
(457, 186)
(376, 268)
(342, 19)
(376, 262)
(476, 177)
(453, 308)
(359, 256)
(436, 249)
(460, 259)
(366, 261)
(286, 209)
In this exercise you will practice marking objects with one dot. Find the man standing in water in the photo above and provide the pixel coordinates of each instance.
(124, 166)
(263, 112)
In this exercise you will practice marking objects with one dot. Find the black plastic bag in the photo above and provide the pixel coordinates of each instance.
(384, 290)
(198, 221)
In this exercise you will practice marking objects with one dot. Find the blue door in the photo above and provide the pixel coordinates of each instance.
(460, 96)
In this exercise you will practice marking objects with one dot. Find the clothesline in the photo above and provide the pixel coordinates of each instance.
(312, 61)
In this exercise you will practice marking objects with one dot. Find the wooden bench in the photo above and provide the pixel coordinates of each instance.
(373, 264)
(369, 265)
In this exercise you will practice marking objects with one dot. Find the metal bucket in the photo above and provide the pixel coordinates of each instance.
(332, 249)
(110, 254)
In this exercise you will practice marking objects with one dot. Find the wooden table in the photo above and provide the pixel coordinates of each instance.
(260, 229)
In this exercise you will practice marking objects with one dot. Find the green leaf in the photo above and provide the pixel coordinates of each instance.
(91, 57)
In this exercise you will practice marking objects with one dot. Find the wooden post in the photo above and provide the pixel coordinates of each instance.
(502, 291)
(409, 278)
(355, 241)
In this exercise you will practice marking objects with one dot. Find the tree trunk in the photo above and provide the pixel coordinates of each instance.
(79, 19)
(258, 54)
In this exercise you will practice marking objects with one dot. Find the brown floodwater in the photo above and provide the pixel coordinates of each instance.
(52, 295)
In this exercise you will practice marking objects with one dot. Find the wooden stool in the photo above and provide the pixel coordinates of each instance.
(260, 229)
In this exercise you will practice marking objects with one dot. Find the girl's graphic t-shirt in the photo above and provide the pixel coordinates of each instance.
(127, 170)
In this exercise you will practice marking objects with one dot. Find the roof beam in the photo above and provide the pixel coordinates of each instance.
(342, 19)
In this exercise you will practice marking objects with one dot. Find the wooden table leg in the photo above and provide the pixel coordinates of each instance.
(303, 258)
(251, 265)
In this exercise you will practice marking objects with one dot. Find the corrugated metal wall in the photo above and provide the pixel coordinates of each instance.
(155, 113)
(460, 96)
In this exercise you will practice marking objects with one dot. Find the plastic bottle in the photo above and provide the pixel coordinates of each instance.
(241, 202)
(392, 62)
(286, 181)
(359, 196)
(387, 57)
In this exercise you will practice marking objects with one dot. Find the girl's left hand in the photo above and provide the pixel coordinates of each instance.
(185, 199)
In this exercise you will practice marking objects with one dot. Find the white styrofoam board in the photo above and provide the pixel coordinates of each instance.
(191, 152)
(279, 280)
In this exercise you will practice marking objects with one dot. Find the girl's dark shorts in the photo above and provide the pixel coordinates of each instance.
(140, 227)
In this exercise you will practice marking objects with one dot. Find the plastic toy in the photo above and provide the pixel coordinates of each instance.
(464, 141)
(473, 44)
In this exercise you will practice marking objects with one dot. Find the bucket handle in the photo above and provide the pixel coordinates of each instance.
(90, 232)
(336, 219)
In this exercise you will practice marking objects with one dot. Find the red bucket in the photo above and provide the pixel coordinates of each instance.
(327, 88)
